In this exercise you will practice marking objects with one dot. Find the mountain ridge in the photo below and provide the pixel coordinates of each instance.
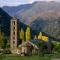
(42, 15)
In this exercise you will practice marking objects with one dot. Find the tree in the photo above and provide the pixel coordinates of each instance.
(40, 36)
(22, 34)
(43, 38)
(1, 39)
(6, 42)
(28, 34)
(56, 46)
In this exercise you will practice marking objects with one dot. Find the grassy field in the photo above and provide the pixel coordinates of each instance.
(17, 57)
(9, 57)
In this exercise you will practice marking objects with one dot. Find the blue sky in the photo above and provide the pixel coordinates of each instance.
(18, 2)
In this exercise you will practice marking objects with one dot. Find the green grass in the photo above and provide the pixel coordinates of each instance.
(26, 58)
(36, 57)
(10, 57)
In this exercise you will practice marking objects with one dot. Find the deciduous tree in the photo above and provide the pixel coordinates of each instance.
(22, 34)
(28, 36)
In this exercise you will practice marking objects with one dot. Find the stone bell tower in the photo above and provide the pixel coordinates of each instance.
(13, 35)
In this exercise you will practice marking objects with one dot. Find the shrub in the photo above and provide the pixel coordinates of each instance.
(7, 51)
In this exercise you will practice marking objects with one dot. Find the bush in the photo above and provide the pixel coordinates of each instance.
(1, 51)
(56, 46)
(7, 51)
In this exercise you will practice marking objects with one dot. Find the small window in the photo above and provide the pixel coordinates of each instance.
(14, 28)
(13, 38)
(14, 22)
(13, 42)
(13, 33)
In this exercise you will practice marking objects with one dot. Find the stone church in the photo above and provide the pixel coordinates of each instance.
(24, 47)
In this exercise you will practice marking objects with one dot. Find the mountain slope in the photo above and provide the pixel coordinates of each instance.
(29, 12)
(49, 26)
(40, 9)
(45, 16)
(15, 9)
(4, 22)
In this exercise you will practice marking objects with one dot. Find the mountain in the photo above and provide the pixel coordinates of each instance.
(15, 9)
(50, 26)
(30, 12)
(40, 16)
(4, 22)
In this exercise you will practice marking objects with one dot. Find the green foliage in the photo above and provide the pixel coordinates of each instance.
(56, 46)
(3, 40)
(6, 42)
(6, 51)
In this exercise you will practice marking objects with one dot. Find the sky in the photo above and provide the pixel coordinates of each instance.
(19, 2)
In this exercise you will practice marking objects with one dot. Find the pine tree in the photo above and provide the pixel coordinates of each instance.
(28, 34)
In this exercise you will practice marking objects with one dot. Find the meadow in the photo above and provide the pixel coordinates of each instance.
(34, 57)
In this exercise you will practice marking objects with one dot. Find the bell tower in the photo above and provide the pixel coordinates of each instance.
(13, 35)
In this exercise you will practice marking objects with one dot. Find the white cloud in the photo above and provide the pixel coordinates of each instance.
(18, 2)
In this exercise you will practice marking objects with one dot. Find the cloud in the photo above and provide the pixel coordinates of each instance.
(14, 2)
(18, 2)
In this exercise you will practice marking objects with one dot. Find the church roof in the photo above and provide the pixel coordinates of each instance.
(28, 44)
